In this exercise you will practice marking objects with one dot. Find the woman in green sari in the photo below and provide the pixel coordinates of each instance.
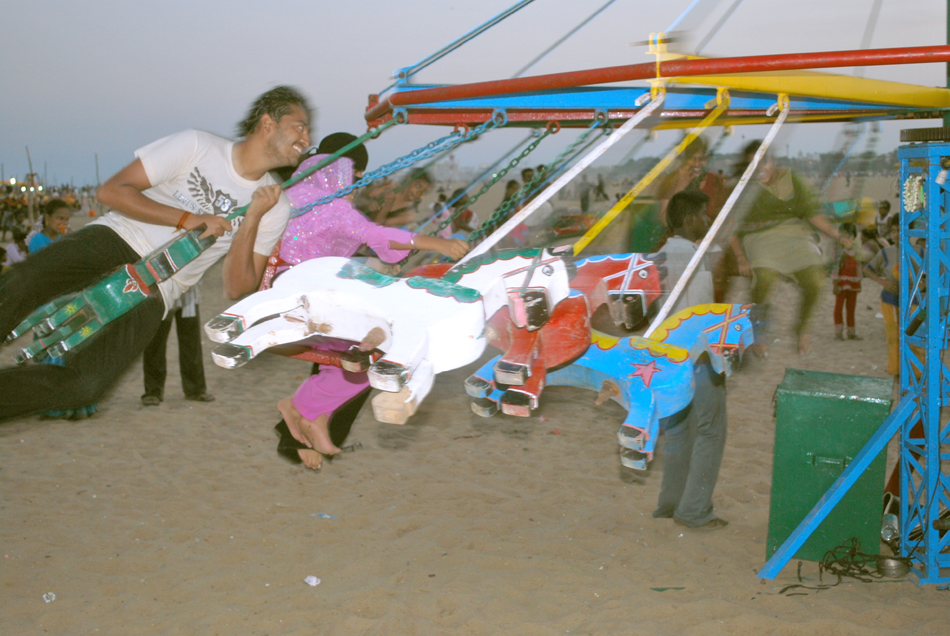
(776, 239)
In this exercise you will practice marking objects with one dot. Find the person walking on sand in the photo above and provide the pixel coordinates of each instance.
(187, 320)
(696, 436)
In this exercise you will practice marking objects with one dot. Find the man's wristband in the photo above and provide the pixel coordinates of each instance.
(182, 220)
(412, 241)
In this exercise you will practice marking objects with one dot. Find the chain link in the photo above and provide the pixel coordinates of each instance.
(498, 216)
(495, 179)
(431, 149)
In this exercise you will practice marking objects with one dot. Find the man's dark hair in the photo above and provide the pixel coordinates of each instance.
(18, 235)
(849, 229)
(331, 143)
(52, 205)
(276, 102)
(745, 157)
(885, 204)
(683, 205)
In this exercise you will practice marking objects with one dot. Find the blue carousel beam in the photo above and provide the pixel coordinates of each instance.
(580, 105)
(588, 98)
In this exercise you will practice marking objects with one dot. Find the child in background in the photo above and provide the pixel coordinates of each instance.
(17, 250)
(883, 270)
(846, 282)
(55, 224)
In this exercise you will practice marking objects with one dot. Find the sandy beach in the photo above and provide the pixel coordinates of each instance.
(182, 519)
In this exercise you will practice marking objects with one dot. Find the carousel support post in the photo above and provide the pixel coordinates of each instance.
(925, 485)
(946, 115)
(924, 233)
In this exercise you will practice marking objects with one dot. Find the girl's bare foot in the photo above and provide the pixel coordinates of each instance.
(760, 350)
(293, 417)
(317, 433)
(311, 458)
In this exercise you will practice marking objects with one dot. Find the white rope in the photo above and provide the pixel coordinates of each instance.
(720, 220)
(563, 180)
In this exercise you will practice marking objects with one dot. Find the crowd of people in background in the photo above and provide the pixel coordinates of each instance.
(17, 227)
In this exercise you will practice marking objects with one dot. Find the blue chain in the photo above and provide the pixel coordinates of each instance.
(501, 214)
(430, 150)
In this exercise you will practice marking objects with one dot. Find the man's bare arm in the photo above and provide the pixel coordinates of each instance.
(243, 267)
(123, 193)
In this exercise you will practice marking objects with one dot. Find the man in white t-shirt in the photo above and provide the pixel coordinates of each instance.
(696, 436)
(188, 180)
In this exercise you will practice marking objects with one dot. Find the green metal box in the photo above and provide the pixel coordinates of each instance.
(822, 420)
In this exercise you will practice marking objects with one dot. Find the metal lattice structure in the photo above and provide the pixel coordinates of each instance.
(924, 280)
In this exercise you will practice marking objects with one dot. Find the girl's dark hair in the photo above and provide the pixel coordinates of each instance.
(52, 205)
(849, 228)
(276, 102)
(331, 143)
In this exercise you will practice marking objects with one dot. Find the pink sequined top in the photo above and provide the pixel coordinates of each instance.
(335, 228)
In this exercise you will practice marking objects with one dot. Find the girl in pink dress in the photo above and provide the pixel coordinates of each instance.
(335, 229)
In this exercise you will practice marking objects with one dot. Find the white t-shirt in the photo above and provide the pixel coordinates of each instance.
(194, 171)
(699, 289)
(540, 216)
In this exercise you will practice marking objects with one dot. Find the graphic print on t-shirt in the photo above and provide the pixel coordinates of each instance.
(199, 187)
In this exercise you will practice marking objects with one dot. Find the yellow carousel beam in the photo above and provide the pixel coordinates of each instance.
(825, 85)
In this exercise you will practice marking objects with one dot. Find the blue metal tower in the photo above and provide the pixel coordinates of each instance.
(924, 278)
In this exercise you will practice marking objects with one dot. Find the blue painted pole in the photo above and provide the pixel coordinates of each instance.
(402, 75)
(838, 489)
(563, 39)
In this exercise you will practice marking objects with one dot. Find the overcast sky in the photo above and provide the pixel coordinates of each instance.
(108, 76)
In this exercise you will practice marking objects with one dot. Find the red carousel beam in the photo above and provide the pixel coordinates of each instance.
(672, 68)
(451, 117)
